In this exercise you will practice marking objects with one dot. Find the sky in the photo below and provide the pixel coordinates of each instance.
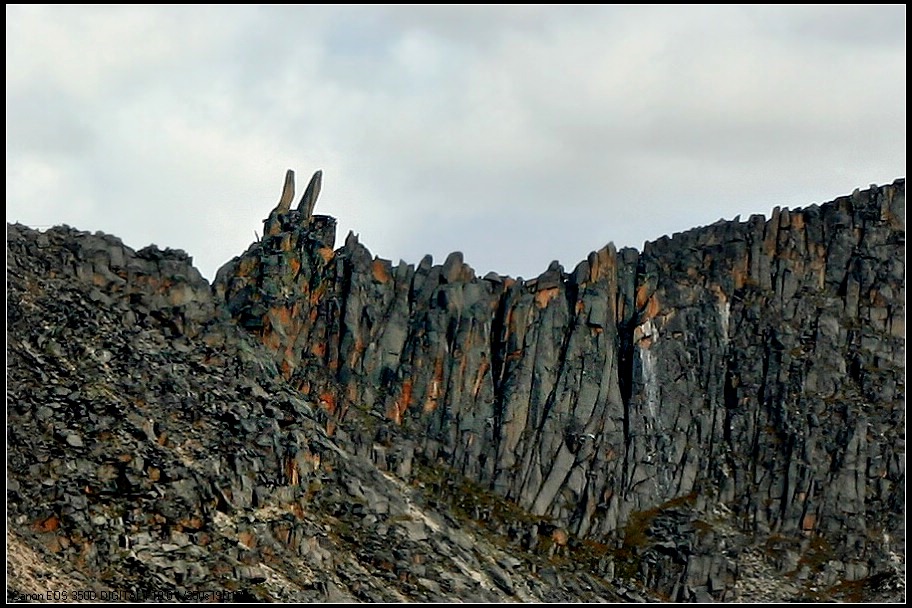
(515, 134)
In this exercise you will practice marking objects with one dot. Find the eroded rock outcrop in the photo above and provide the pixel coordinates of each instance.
(154, 453)
(718, 417)
(757, 365)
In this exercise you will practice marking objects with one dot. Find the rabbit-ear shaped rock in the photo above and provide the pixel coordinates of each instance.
(309, 200)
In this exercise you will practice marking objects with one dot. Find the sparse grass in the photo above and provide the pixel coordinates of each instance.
(818, 553)
(470, 500)
(636, 537)
(703, 528)
(500, 518)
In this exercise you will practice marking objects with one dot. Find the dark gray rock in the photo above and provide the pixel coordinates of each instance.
(660, 417)
(309, 199)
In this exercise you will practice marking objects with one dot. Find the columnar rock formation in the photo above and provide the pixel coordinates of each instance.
(155, 454)
(755, 364)
(720, 416)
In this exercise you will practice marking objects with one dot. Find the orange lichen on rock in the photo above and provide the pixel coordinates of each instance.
(434, 389)
(396, 410)
(652, 307)
(380, 272)
(438, 376)
(271, 340)
(601, 264)
(286, 369)
(406, 397)
(357, 351)
(247, 539)
(280, 316)
(430, 405)
(291, 471)
(544, 297)
(246, 266)
(46, 525)
(642, 295)
(295, 265)
(479, 377)
(394, 413)
(326, 253)
(809, 521)
(739, 275)
(560, 537)
(316, 296)
(328, 401)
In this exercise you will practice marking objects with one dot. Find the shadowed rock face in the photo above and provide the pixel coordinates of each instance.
(754, 364)
(155, 453)
(718, 417)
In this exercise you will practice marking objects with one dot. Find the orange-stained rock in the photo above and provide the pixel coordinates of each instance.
(381, 274)
(544, 297)
(328, 402)
(46, 525)
(652, 307)
(247, 265)
(286, 368)
(479, 377)
(809, 522)
(326, 253)
(560, 537)
(406, 396)
(247, 539)
(642, 294)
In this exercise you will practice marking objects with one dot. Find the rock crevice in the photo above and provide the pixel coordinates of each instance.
(690, 422)
(756, 362)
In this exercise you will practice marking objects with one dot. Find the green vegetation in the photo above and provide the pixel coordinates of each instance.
(469, 500)
(636, 537)
(506, 525)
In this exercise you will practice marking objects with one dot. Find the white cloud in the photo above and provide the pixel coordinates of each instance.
(517, 134)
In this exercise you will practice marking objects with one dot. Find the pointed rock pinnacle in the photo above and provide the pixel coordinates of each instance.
(309, 200)
(288, 191)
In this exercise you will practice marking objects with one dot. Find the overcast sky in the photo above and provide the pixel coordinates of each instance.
(516, 134)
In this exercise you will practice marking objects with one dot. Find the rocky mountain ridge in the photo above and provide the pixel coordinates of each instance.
(725, 407)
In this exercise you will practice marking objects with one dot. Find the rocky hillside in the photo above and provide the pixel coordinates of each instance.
(719, 417)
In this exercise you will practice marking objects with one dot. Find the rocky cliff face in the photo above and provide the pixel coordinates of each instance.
(718, 417)
(156, 454)
(756, 365)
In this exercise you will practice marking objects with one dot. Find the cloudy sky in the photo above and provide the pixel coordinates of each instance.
(516, 134)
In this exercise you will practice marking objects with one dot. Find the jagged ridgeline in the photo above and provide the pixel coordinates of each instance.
(753, 364)
(720, 416)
